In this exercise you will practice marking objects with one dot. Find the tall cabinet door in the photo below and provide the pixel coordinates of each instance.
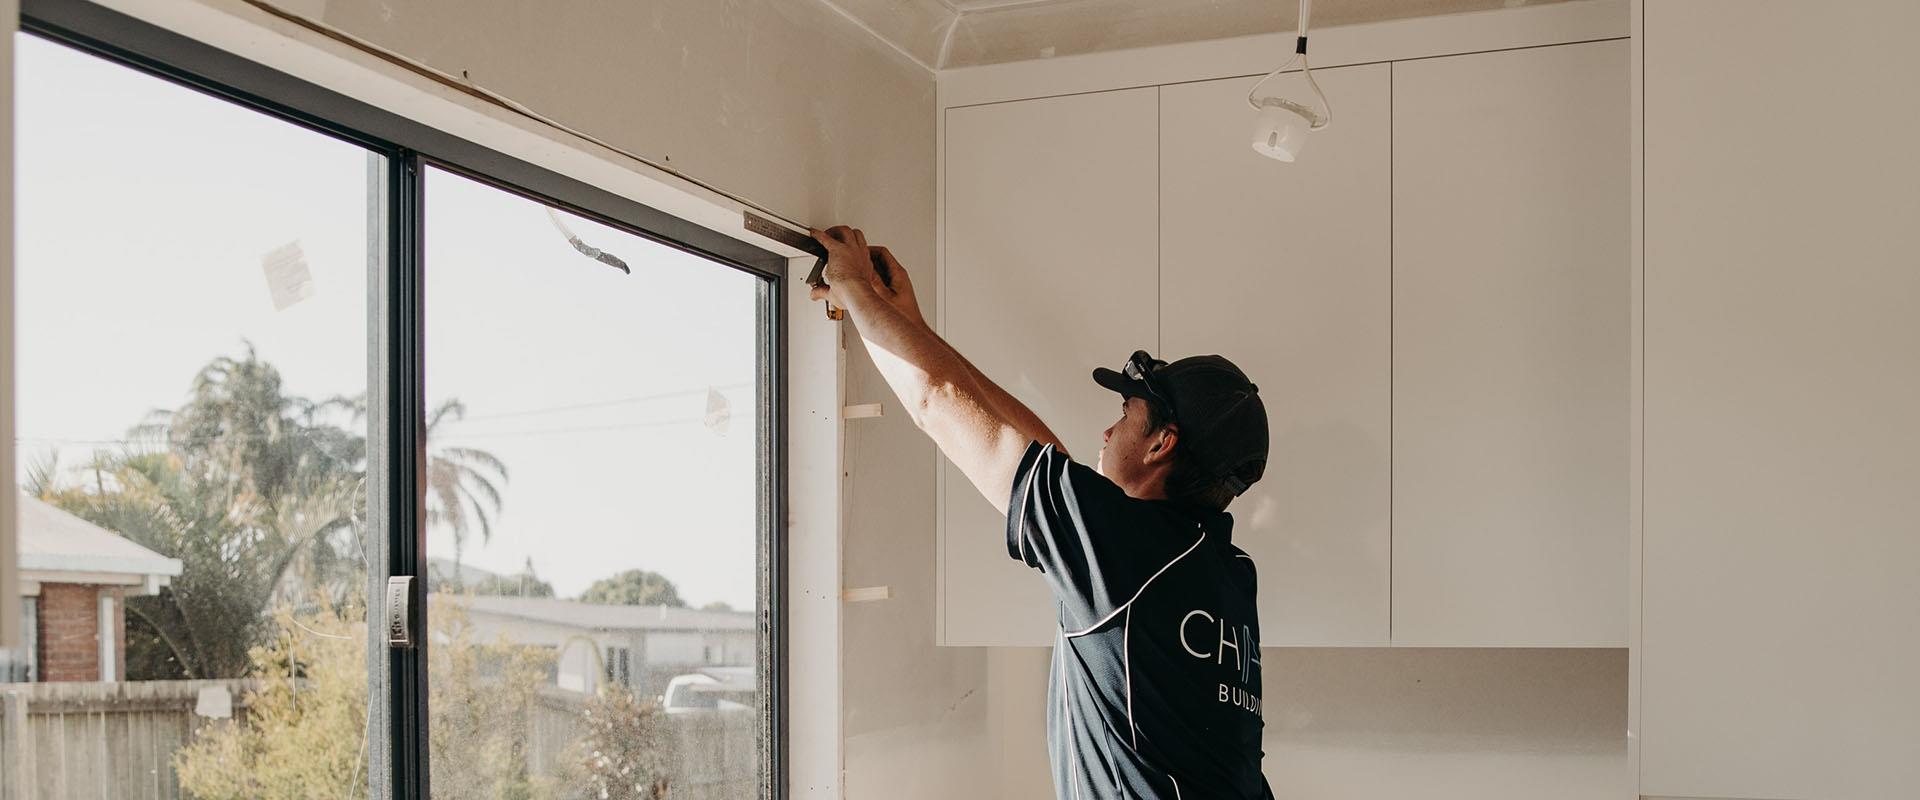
(1780, 584)
(1511, 348)
(1285, 269)
(1050, 270)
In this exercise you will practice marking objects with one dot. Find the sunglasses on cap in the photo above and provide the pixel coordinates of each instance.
(1140, 367)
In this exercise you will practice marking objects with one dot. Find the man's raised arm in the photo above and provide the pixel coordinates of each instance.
(976, 424)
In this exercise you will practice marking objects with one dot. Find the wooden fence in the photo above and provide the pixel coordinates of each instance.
(112, 741)
(115, 741)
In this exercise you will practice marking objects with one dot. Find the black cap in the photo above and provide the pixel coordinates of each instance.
(1223, 423)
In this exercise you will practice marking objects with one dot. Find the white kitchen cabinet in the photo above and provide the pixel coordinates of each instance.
(1050, 270)
(1286, 269)
(1780, 542)
(1434, 299)
(1511, 332)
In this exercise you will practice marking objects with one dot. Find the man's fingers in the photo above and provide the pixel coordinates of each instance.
(887, 270)
(886, 257)
(818, 293)
(838, 235)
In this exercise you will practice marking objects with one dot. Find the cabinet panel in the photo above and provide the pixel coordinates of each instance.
(1782, 446)
(1285, 268)
(1511, 348)
(1050, 268)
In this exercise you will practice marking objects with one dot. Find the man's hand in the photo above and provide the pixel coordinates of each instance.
(900, 294)
(851, 278)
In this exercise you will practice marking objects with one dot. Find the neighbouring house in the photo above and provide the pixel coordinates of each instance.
(445, 573)
(638, 647)
(74, 578)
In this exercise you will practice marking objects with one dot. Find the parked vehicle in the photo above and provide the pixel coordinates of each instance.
(710, 690)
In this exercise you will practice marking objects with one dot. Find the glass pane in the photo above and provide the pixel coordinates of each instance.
(192, 344)
(592, 505)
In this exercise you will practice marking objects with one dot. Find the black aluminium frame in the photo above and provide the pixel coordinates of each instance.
(401, 148)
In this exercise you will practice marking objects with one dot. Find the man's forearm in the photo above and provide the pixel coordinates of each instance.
(979, 427)
(1016, 412)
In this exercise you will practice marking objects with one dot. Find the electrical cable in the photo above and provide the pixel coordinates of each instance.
(1316, 120)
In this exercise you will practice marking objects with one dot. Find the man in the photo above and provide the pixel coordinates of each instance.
(1155, 690)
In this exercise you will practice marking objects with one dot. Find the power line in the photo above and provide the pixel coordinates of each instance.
(603, 403)
(658, 423)
(164, 439)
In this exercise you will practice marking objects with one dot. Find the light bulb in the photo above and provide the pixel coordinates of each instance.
(1281, 129)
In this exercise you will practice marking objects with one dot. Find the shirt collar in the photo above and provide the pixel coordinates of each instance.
(1218, 524)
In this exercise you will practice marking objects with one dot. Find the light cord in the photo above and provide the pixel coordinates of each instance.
(1316, 120)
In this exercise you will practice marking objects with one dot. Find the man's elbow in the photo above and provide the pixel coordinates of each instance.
(934, 399)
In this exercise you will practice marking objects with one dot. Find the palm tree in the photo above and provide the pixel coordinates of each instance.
(250, 488)
(461, 495)
(262, 497)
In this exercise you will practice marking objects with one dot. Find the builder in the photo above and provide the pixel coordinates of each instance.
(1155, 690)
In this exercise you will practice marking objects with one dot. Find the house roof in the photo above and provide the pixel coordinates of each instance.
(594, 616)
(54, 541)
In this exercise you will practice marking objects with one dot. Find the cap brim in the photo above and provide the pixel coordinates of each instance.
(1118, 382)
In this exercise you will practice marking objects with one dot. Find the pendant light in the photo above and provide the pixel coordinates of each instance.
(1281, 128)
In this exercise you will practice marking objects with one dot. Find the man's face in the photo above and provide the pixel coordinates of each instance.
(1133, 456)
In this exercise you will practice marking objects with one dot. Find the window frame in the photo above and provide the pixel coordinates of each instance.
(396, 337)
(24, 659)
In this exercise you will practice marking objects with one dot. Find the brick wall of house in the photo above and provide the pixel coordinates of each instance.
(69, 632)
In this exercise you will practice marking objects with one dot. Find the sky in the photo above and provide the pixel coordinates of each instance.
(145, 216)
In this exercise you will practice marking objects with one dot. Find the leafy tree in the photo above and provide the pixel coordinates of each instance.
(627, 751)
(522, 585)
(635, 587)
(246, 487)
(444, 574)
(304, 731)
(717, 605)
(483, 697)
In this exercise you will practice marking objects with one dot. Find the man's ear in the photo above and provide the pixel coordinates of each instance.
(1164, 440)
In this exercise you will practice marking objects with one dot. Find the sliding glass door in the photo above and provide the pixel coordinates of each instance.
(593, 447)
(363, 461)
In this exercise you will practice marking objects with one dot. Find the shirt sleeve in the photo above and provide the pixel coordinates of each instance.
(1096, 546)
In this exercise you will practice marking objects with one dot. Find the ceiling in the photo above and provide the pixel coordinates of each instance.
(949, 34)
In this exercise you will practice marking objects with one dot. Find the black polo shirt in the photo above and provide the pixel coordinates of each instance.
(1156, 667)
